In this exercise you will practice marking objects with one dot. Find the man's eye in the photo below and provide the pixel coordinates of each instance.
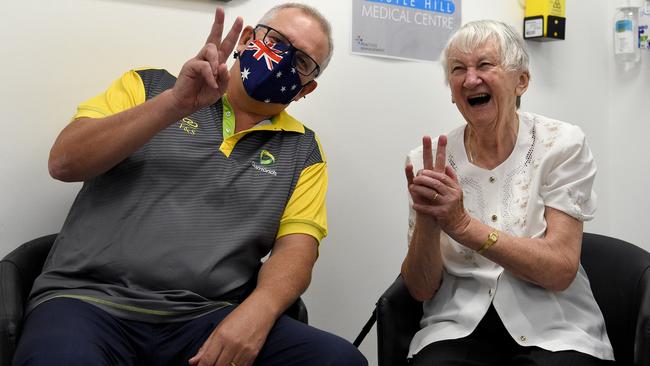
(301, 61)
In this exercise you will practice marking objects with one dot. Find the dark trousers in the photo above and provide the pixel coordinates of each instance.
(71, 332)
(491, 344)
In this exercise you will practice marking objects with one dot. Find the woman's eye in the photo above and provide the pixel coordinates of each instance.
(456, 69)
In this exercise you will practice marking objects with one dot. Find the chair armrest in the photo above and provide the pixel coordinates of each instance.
(11, 310)
(298, 311)
(642, 337)
(17, 273)
(398, 319)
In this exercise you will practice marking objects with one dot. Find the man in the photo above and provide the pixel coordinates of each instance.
(185, 190)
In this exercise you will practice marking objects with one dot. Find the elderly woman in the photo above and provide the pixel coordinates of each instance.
(496, 222)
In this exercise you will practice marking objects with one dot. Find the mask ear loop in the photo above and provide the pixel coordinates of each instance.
(302, 87)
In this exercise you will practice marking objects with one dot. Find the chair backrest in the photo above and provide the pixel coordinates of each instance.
(619, 273)
(620, 278)
(18, 270)
(398, 319)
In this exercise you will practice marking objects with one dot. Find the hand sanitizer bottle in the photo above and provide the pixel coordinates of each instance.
(625, 34)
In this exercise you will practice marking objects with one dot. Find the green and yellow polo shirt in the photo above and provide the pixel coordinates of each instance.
(181, 225)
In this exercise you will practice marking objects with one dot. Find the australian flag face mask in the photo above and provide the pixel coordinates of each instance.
(267, 72)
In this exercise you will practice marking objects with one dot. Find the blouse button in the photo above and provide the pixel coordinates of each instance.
(228, 114)
(523, 339)
(494, 218)
(491, 292)
(492, 179)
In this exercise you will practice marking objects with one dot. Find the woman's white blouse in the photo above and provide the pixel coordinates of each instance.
(551, 165)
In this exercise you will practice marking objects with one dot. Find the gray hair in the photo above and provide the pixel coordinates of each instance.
(312, 12)
(512, 48)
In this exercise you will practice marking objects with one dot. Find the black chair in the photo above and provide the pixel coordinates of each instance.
(620, 280)
(19, 269)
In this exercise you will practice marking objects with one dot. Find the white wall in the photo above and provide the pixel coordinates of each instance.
(368, 112)
(629, 149)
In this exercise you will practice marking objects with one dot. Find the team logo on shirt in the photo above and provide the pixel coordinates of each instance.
(188, 126)
(266, 158)
(264, 169)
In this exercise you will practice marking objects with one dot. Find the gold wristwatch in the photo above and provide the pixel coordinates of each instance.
(491, 240)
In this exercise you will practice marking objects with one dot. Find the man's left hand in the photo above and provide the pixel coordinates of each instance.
(237, 340)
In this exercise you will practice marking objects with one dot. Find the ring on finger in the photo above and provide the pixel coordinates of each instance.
(435, 195)
(232, 363)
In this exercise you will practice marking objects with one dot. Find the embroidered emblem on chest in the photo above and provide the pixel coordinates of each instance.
(188, 126)
(266, 159)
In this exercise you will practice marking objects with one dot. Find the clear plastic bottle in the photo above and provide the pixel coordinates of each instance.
(626, 31)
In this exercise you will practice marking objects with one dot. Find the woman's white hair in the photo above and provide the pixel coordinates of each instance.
(312, 12)
(512, 48)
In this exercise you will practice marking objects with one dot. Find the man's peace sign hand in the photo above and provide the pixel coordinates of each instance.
(204, 78)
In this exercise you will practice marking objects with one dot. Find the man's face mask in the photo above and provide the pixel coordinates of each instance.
(270, 67)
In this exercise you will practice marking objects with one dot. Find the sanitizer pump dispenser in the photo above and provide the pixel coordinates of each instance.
(626, 32)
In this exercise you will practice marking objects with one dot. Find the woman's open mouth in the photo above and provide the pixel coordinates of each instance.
(479, 99)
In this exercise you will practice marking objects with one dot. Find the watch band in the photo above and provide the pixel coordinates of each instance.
(492, 239)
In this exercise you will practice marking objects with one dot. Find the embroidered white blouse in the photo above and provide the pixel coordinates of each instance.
(551, 165)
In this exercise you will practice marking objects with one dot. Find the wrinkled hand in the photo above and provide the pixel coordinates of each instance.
(204, 78)
(436, 191)
(422, 197)
(237, 339)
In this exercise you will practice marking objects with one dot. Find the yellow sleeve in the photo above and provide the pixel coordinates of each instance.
(305, 212)
(124, 93)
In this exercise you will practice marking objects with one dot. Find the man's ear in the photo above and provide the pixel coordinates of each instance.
(244, 38)
(310, 87)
